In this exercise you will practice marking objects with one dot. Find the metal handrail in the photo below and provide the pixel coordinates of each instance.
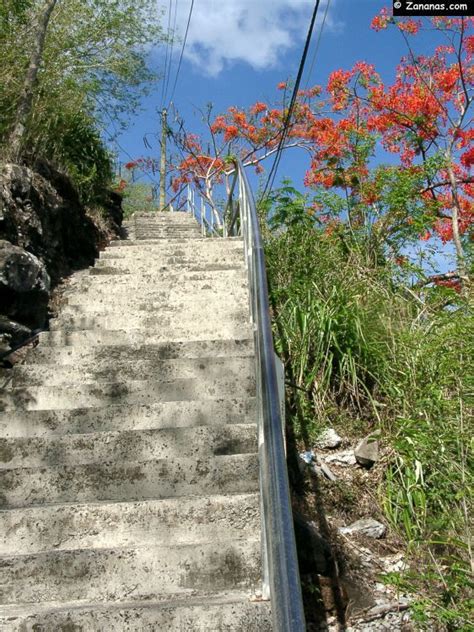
(281, 574)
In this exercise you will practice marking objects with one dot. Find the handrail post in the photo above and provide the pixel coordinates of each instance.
(203, 217)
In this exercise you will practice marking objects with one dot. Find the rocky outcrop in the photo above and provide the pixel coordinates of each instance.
(45, 234)
(24, 292)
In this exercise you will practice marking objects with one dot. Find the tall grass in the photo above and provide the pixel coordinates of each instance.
(361, 350)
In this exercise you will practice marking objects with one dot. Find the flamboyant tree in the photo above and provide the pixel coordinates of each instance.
(424, 117)
(389, 163)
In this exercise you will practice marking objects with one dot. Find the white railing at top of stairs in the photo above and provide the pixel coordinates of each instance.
(281, 579)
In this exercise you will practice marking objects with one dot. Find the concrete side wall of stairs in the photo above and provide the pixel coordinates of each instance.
(129, 496)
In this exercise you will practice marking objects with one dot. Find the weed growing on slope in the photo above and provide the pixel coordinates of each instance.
(363, 351)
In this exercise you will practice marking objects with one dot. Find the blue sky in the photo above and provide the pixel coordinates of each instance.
(239, 50)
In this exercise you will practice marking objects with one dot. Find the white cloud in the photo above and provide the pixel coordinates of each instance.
(258, 32)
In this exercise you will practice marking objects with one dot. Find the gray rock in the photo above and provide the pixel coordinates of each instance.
(343, 459)
(43, 214)
(328, 439)
(20, 271)
(24, 291)
(367, 451)
(11, 333)
(45, 233)
(365, 526)
(327, 472)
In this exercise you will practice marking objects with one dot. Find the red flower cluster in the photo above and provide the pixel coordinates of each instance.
(381, 21)
(452, 284)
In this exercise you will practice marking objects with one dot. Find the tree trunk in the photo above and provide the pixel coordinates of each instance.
(26, 100)
(456, 211)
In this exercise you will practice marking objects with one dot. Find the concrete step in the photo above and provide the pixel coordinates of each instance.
(131, 368)
(219, 330)
(145, 225)
(207, 262)
(167, 222)
(162, 268)
(156, 293)
(178, 326)
(130, 572)
(168, 226)
(129, 480)
(180, 243)
(181, 222)
(166, 233)
(221, 612)
(133, 504)
(149, 522)
(125, 417)
(183, 320)
(166, 216)
(171, 277)
(97, 447)
(153, 303)
(135, 284)
(96, 356)
(195, 249)
(116, 391)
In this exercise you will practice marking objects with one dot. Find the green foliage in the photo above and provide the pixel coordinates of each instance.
(93, 74)
(363, 349)
(289, 207)
(137, 197)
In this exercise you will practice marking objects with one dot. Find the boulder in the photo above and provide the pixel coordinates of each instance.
(367, 451)
(42, 213)
(365, 526)
(328, 439)
(46, 233)
(24, 291)
(343, 459)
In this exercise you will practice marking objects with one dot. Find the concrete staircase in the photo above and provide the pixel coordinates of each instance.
(129, 487)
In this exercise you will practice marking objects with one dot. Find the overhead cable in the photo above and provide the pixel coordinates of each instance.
(166, 71)
(170, 61)
(182, 50)
(287, 121)
(318, 42)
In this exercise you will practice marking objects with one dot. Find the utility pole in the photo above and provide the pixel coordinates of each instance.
(164, 133)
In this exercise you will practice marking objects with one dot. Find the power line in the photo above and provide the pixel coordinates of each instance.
(286, 124)
(166, 54)
(182, 49)
(318, 42)
(171, 49)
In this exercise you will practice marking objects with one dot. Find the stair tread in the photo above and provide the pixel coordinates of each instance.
(157, 443)
(222, 608)
(128, 368)
(128, 416)
(97, 524)
(153, 478)
(151, 571)
(159, 351)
